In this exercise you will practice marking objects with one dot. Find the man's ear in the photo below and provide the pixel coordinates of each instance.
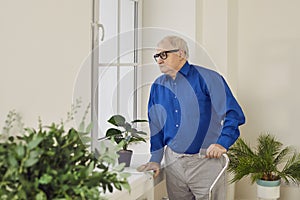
(181, 54)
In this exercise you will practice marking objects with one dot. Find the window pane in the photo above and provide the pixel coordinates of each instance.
(107, 97)
(115, 96)
(108, 17)
(126, 30)
(126, 91)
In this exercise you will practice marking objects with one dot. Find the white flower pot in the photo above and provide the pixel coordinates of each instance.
(268, 190)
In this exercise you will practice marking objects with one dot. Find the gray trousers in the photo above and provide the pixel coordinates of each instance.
(189, 177)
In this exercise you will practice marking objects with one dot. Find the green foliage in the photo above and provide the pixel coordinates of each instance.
(51, 163)
(126, 134)
(268, 161)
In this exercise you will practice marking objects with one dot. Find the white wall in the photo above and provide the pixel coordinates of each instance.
(43, 44)
(215, 32)
(161, 18)
(268, 69)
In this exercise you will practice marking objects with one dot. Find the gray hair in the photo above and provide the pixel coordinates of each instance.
(176, 42)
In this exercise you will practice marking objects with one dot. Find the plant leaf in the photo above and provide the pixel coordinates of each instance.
(142, 132)
(45, 179)
(117, 120)
(35, 142)
(126, 186)
(119, 167)
(20, 151)
(139, 120)
(113, 132)
(89, 128)
(33, 158)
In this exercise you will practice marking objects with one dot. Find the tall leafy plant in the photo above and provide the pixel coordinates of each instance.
(54, 163)
(269, 160)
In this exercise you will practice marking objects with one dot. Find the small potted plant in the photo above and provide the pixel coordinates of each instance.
(267, 165)
(125, 134)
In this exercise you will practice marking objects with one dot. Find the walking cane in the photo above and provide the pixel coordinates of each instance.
(219, 175)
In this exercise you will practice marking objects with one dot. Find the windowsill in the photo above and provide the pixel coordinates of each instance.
(139, 159)
(141, 186)
(141, 183)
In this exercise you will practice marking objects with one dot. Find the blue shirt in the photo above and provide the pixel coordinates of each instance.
(191, 112)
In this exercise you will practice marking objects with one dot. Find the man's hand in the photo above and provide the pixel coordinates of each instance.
(150, 166)
(215, 151)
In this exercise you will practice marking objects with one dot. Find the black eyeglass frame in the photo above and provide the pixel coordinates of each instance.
(164, 54)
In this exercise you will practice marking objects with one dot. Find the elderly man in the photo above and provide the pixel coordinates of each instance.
(194, 119)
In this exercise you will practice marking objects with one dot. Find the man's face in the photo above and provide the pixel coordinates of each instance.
(168, 59)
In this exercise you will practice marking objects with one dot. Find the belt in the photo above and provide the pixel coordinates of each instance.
(201, 154)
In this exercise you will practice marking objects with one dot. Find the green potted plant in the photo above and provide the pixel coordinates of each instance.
(125, 134)
(266, 164)
(54, 163)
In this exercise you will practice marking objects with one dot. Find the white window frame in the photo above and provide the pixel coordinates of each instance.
(98, 34)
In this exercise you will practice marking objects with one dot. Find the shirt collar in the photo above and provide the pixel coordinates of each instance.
(185, 68)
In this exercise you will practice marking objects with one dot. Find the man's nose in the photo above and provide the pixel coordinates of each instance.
(159, 60)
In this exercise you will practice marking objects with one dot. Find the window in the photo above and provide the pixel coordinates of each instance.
(115, 60)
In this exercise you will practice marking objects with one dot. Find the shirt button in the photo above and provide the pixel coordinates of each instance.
(177, 125)
(176, 111)
(175, 97)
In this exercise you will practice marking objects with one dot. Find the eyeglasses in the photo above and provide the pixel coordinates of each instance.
(164, 54)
